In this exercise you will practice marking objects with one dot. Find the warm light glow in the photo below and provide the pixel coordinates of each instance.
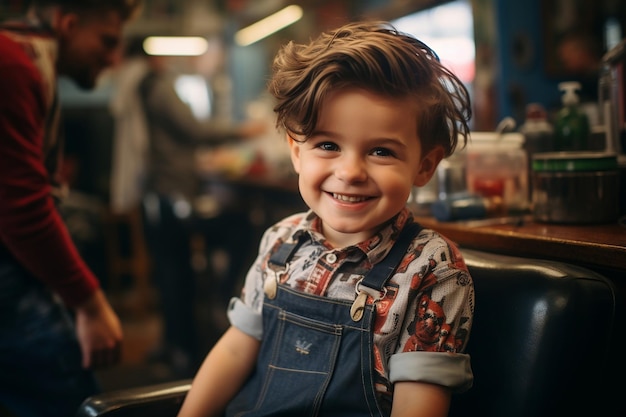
(271, 24)
(175, 45)
(449, 30)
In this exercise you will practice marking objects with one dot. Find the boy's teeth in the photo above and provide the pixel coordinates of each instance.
(348, 198)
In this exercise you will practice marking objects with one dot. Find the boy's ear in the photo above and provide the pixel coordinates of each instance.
(428, 166)
(294, 148)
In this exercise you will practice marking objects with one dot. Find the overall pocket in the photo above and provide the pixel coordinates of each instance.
(303, 357)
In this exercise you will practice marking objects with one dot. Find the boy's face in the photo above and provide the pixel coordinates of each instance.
(88, 44)
(357, 169)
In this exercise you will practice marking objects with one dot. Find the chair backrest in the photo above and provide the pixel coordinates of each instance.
(544, 340)
(158, 400)
(544, 343)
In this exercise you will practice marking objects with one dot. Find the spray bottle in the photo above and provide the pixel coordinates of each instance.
(571, 128)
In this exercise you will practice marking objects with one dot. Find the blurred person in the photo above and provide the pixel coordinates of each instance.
(166, 176)
(130, 137)
(56, 325)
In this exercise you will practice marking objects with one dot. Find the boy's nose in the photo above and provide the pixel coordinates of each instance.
(351, 169)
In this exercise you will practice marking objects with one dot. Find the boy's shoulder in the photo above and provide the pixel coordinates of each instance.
(433, 245)
(293, 220)
(287, 226)
(433, 237)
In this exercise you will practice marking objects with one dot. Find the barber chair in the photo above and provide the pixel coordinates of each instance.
(543, 343)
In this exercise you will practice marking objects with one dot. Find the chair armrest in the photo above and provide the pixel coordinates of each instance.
(159, 400)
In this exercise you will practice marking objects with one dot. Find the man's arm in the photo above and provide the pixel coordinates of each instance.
(162, 101)
(30, 226)
(222, 374)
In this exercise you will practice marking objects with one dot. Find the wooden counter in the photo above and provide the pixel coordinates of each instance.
(601, 246)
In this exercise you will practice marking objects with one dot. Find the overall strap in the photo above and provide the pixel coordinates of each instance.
(280, 258)
(378, 276)
(285, 251)
(373, 284)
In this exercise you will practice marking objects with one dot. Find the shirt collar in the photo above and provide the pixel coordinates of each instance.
(375, 248)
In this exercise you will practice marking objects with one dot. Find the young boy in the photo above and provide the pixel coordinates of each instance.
(351, 308)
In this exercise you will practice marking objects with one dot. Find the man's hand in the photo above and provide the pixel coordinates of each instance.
(99, 332)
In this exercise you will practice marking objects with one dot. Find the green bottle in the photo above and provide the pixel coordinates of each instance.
(571, 129)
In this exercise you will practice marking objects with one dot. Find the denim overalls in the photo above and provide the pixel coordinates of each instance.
(316, 355)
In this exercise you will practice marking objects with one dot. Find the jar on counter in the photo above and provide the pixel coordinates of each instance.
(497, 167)
(575, 187)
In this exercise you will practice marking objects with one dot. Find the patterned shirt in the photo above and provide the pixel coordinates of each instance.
(423, 322)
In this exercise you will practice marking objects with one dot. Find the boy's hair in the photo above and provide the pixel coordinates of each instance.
(127, 9)
(376, 57)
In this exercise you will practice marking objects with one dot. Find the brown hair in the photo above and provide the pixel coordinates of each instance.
(127, 9)
(376, 57)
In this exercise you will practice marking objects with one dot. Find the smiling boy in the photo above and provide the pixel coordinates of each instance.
(352, 308)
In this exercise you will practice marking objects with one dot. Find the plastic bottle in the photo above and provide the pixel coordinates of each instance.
(538, 135)
(537, 130)
(572, 125)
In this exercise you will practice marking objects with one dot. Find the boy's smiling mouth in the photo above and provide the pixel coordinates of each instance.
(349, 198)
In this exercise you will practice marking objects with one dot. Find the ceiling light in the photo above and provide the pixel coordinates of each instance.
(271, 24)
(175, 45)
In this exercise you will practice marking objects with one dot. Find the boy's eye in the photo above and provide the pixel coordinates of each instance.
(382, 152)
(328, 146)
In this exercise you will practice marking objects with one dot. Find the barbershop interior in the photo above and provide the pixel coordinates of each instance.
(536, 200)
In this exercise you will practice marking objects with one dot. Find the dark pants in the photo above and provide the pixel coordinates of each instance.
(40, 359)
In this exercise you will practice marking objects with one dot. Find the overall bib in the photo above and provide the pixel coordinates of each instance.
(316, 355)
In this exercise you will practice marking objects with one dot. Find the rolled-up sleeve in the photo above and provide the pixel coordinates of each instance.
(245, 318)
(451, 370)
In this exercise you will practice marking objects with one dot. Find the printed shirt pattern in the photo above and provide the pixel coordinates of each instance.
(429, 301)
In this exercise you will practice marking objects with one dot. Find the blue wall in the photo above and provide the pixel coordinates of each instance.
(522, 77)
(521, 44)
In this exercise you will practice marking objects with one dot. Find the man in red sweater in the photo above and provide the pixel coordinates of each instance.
(47, 356)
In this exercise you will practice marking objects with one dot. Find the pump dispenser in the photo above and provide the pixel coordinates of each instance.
(569, 88)
(571, 129)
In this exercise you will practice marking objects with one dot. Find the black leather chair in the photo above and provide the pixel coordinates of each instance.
(544, 343)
